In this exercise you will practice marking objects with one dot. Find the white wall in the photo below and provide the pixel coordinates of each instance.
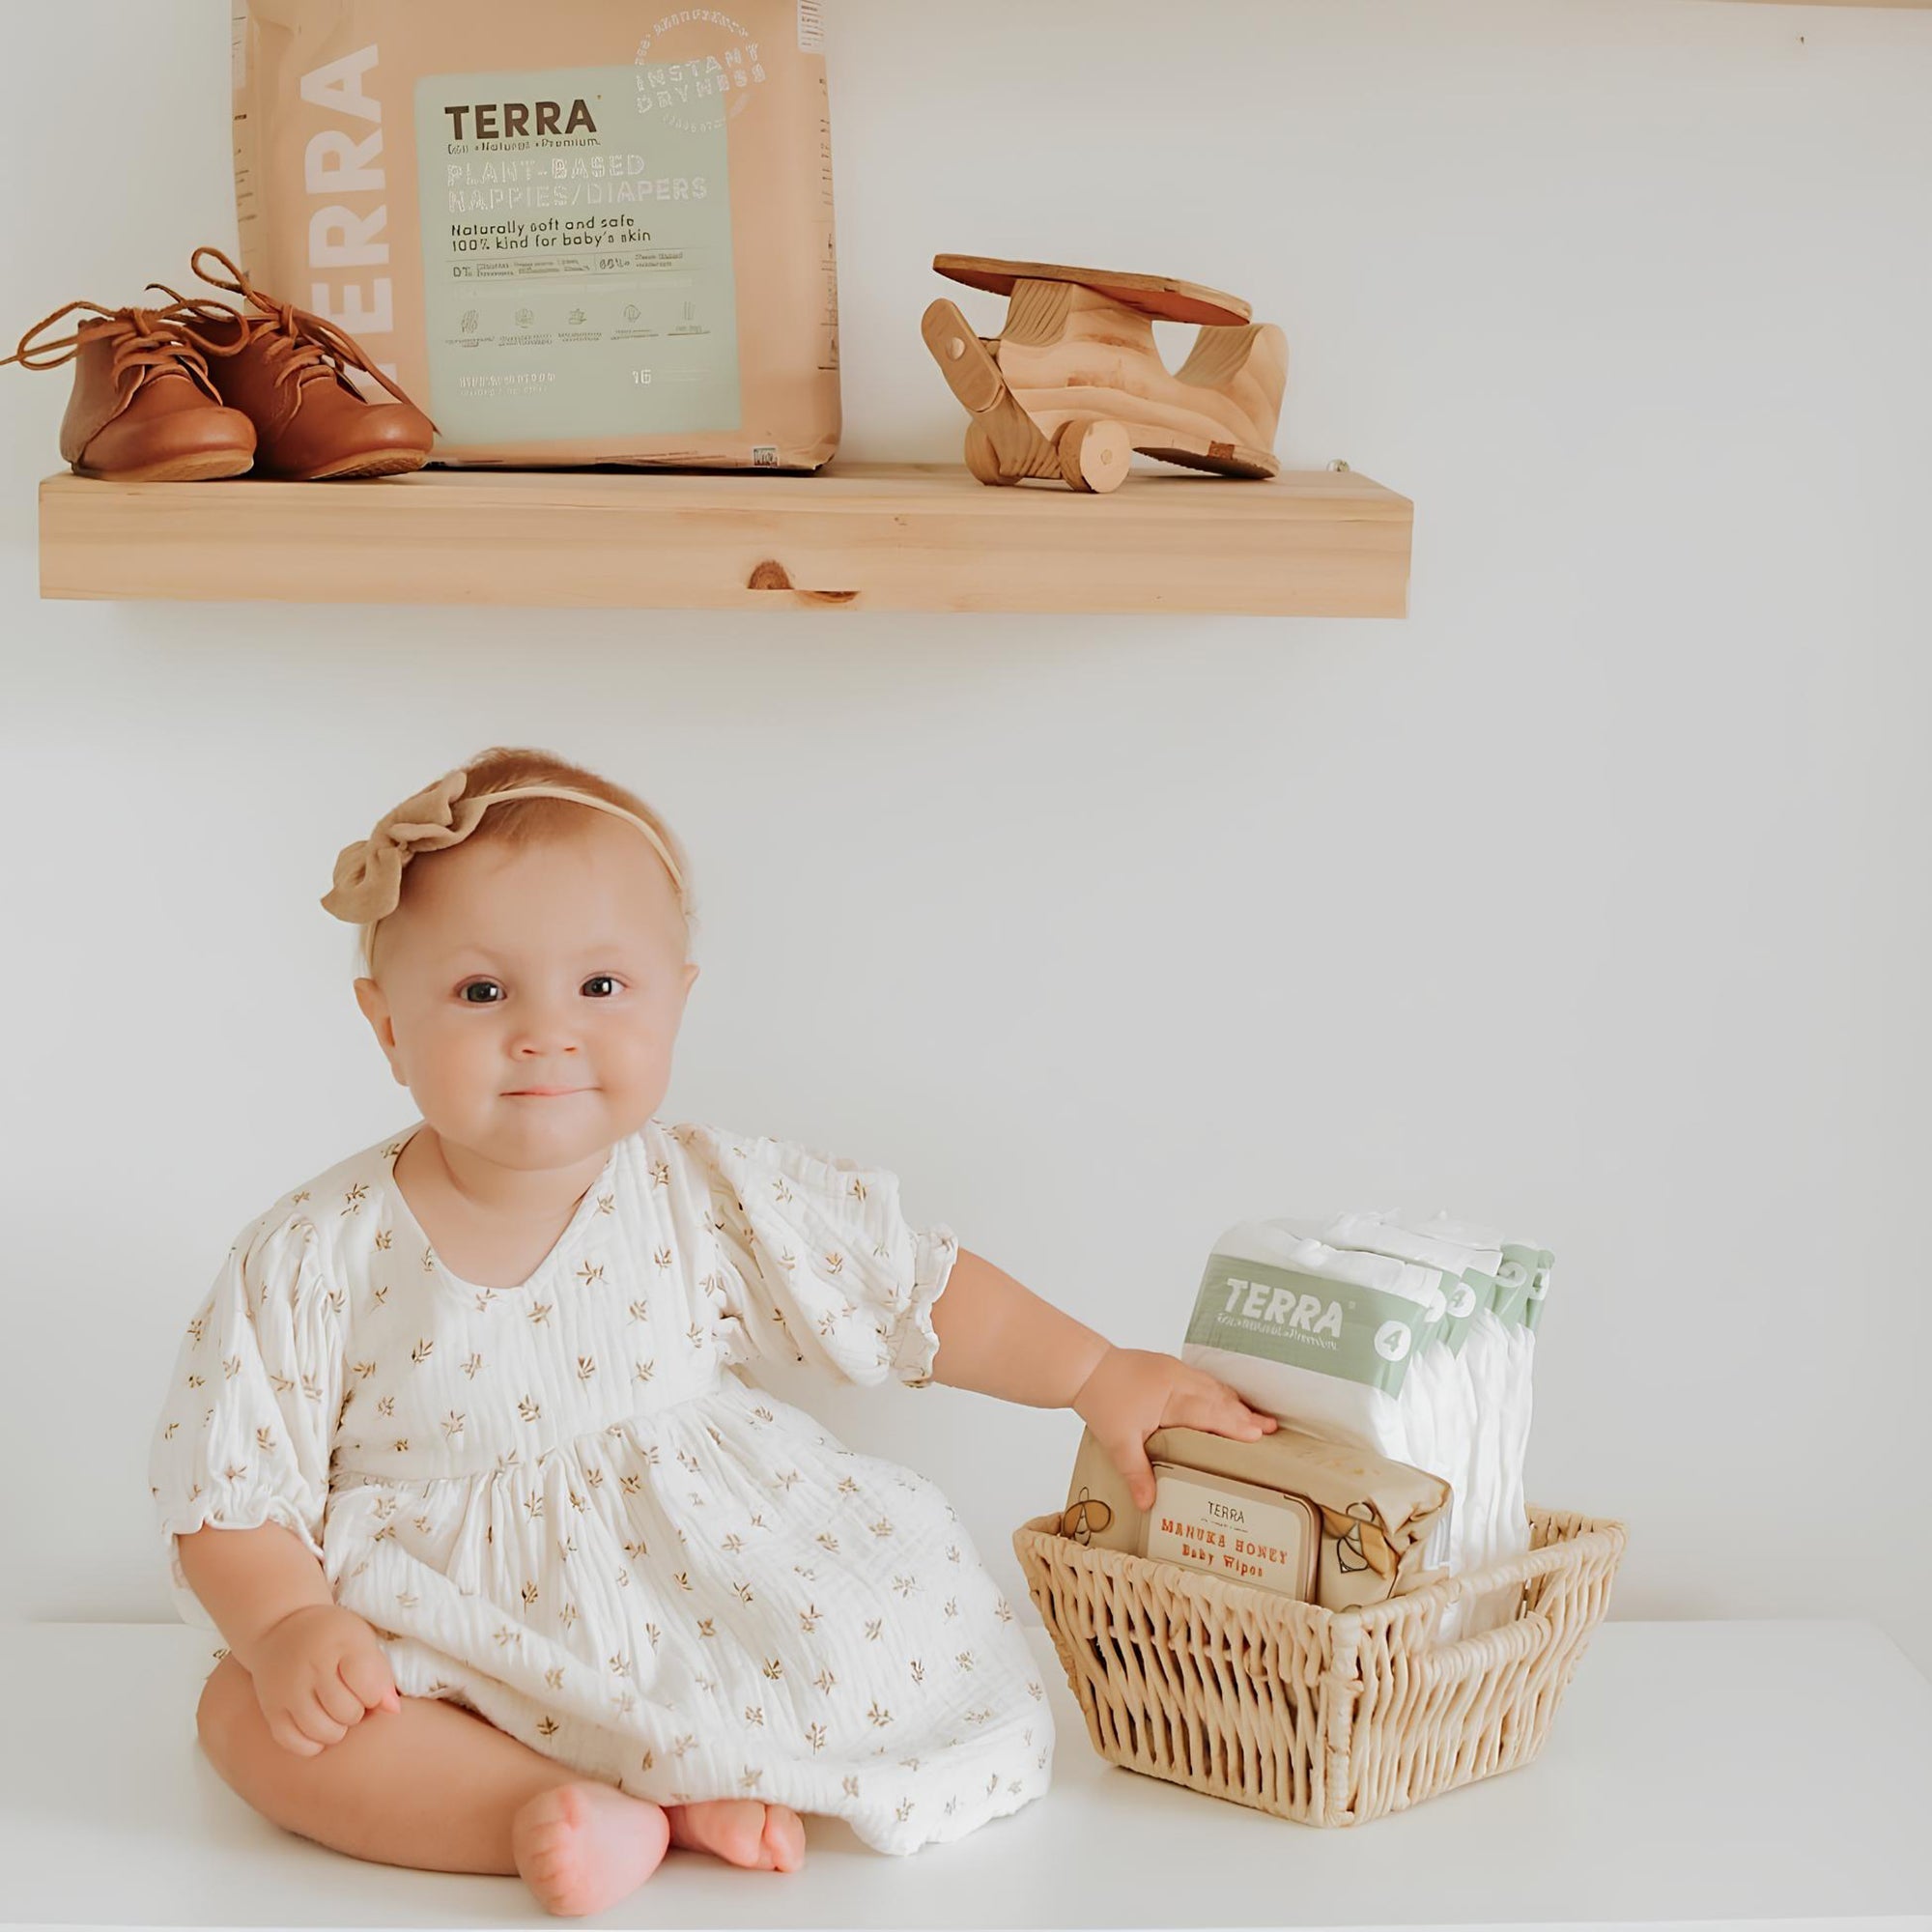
(1591, 899)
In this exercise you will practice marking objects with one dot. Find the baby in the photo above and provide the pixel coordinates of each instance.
(516, 1570)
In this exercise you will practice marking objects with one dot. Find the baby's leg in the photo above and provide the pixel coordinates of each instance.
(435, 1787)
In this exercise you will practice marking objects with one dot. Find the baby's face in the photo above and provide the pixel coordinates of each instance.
(529, 996)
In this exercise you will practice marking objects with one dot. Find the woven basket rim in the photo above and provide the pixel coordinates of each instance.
(1608, 1536)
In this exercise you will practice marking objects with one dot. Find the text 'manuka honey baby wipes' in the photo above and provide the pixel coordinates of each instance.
(599, 233)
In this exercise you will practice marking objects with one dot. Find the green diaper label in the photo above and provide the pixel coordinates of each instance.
(1527, 1272)
(1516, 1283)
(1539, 1289)
(576, 259)
(1469, 1293)
(1306, 1322)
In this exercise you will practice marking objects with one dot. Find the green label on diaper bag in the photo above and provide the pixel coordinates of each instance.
(577, 259)
(1539, 1291)
(1307, 1322)
(1468, 1294)
(1524, 1280)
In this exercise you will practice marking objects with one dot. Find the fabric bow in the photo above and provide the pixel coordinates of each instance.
(369, 873)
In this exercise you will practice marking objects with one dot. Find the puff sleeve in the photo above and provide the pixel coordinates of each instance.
(817, 1261)
(243, 1435)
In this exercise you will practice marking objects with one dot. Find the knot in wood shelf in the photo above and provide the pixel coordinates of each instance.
(770, 574)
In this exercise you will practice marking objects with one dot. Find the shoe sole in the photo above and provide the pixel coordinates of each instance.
(385, 462)
(205, 468)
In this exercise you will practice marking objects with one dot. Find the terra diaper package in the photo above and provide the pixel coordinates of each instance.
(1412, 1339)
(596, 232)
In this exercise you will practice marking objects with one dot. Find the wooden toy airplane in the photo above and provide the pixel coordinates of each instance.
(1074, 383)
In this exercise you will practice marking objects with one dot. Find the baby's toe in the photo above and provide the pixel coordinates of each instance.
(785, 1837)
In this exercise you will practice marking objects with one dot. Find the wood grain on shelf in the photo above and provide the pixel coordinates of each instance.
(862, 536)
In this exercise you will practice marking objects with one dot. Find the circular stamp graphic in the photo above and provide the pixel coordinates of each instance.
(697, 70)
(1392, 1340)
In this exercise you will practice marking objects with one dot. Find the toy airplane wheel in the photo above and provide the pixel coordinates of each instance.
(1094, 454)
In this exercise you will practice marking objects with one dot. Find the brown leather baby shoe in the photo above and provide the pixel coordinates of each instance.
(286, 370)
(142, 409)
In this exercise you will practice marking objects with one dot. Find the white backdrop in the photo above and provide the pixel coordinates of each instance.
(1590, 900)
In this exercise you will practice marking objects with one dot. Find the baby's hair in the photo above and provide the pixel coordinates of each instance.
(528, 821)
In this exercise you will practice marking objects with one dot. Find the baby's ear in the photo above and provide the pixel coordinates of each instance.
(375, 1005)
(690, 975)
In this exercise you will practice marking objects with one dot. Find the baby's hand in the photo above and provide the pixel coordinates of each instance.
(1132, 1392)
(316, 1672)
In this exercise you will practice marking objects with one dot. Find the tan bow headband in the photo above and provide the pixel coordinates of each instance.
(369, 873)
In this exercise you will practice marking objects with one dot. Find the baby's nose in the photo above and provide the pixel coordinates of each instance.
(544, 1033)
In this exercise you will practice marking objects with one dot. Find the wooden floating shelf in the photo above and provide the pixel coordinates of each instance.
(866, 536)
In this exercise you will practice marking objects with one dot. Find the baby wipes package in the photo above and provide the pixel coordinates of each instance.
(1315, 1519)
(598, 233)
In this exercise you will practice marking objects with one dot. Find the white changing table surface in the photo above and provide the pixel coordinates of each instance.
(1746, 1774)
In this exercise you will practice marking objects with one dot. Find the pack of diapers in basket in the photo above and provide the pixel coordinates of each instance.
(1409, 1341)
(1414, 1339)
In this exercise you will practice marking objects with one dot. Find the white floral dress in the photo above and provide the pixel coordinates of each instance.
(561, 1510)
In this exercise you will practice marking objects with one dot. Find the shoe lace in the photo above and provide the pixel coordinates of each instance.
(148, 339)
(301, 347)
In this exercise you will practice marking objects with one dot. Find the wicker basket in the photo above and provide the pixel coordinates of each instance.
(1328, 1718)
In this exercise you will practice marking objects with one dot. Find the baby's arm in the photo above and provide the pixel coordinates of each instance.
(315, 1667)
(999, 1338)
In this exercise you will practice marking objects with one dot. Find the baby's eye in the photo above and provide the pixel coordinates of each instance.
(481, 992)
(599, 985)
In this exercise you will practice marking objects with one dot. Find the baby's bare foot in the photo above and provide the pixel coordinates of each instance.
(582, 1847)
(742, 1832)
